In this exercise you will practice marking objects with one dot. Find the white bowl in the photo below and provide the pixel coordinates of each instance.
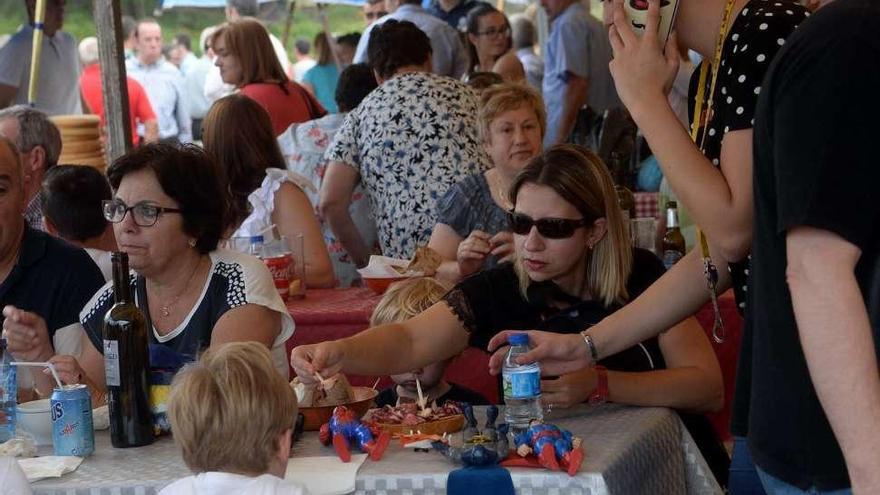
(34, 418)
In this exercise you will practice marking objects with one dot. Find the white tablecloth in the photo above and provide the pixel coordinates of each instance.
(629, 450)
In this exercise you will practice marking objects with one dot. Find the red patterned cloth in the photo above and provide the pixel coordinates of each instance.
(646, 205)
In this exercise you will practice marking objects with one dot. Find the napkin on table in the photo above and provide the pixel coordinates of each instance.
(50, 466)
(325, 475)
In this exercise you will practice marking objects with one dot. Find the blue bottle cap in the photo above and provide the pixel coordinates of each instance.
(518, 339)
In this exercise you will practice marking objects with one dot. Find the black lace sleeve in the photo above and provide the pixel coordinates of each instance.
(458, 302)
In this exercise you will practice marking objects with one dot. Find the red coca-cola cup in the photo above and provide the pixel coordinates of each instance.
(281, 269)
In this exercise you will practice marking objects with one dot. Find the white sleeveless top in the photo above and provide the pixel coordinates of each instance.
(262, 200)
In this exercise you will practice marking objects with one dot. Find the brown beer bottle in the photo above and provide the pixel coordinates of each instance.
(126, 364)
(673, 246)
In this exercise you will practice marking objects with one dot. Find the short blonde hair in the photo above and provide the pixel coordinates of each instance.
(580, 178)
(228, 410)
(406, 299)
(500, 98)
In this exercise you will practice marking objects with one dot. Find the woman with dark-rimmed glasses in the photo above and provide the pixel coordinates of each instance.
(168, 213)
(490, 43)
(574, 265)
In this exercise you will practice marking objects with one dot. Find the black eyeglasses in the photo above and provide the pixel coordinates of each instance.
(144, 214)
(375, 15)
(551, 228)
(494, 32)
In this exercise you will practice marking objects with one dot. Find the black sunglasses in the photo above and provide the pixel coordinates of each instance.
(551, 228)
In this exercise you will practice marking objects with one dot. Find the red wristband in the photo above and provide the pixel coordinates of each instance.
(600, 395)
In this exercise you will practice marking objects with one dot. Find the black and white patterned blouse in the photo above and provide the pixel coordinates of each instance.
(236, 280)
(468, 206)
(757, 33)
(410, 140)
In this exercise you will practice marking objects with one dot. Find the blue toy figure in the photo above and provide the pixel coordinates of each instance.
(551, 444)
(481, 452)
(345, 429)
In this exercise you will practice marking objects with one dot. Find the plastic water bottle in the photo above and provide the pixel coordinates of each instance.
(8, 393)
(522, 386)
(256, 246)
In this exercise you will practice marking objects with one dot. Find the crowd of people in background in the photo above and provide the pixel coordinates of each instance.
(444, 125)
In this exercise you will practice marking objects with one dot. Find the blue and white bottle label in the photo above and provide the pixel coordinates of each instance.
(522, 385)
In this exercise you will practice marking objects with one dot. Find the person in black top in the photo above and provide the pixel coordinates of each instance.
(402, 301)
(41, 277)
(808, 389)
(575, 265)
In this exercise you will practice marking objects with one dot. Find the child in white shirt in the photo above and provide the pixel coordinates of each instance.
(232, 415)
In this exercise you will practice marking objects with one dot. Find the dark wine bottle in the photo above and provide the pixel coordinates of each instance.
(126, 364)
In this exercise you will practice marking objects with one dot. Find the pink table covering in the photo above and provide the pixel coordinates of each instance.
(329, 314)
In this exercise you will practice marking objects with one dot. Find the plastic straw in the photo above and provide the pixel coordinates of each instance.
(41, 365)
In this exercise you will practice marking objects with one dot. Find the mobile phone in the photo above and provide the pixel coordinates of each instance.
(637, 14)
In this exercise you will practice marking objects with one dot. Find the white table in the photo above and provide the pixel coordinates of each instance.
(629, 450)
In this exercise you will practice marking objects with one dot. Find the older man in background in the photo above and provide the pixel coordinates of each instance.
(448, 57)
(39, 144)
(575, 68)
(140, 110)
(163, 82)
(57, 92)
(373, 10)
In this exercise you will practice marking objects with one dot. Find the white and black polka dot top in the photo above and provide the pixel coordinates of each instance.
(757, 33)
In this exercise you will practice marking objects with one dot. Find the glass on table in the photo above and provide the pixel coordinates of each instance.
(644, 233)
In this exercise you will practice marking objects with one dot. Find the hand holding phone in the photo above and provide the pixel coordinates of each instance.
(642, 67)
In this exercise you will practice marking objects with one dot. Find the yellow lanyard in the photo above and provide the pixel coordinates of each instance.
(702, 120)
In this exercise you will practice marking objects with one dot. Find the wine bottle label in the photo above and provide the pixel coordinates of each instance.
(670, 258)
(111, 363)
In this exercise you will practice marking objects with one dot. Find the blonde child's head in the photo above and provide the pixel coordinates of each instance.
(402, 301)
(232, 412)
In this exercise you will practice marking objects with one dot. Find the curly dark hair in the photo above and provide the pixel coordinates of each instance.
(395, 44)
(188, 176)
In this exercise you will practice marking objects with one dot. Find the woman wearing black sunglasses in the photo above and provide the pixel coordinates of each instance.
(574, 266)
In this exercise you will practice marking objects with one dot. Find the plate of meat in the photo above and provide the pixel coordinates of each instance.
(408, 418)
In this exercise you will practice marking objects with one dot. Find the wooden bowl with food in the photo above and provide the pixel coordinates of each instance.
(317, 400)
(315, 416)
(408, 419)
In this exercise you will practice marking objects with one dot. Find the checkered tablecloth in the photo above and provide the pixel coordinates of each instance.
(629, 450)
(646, 205)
